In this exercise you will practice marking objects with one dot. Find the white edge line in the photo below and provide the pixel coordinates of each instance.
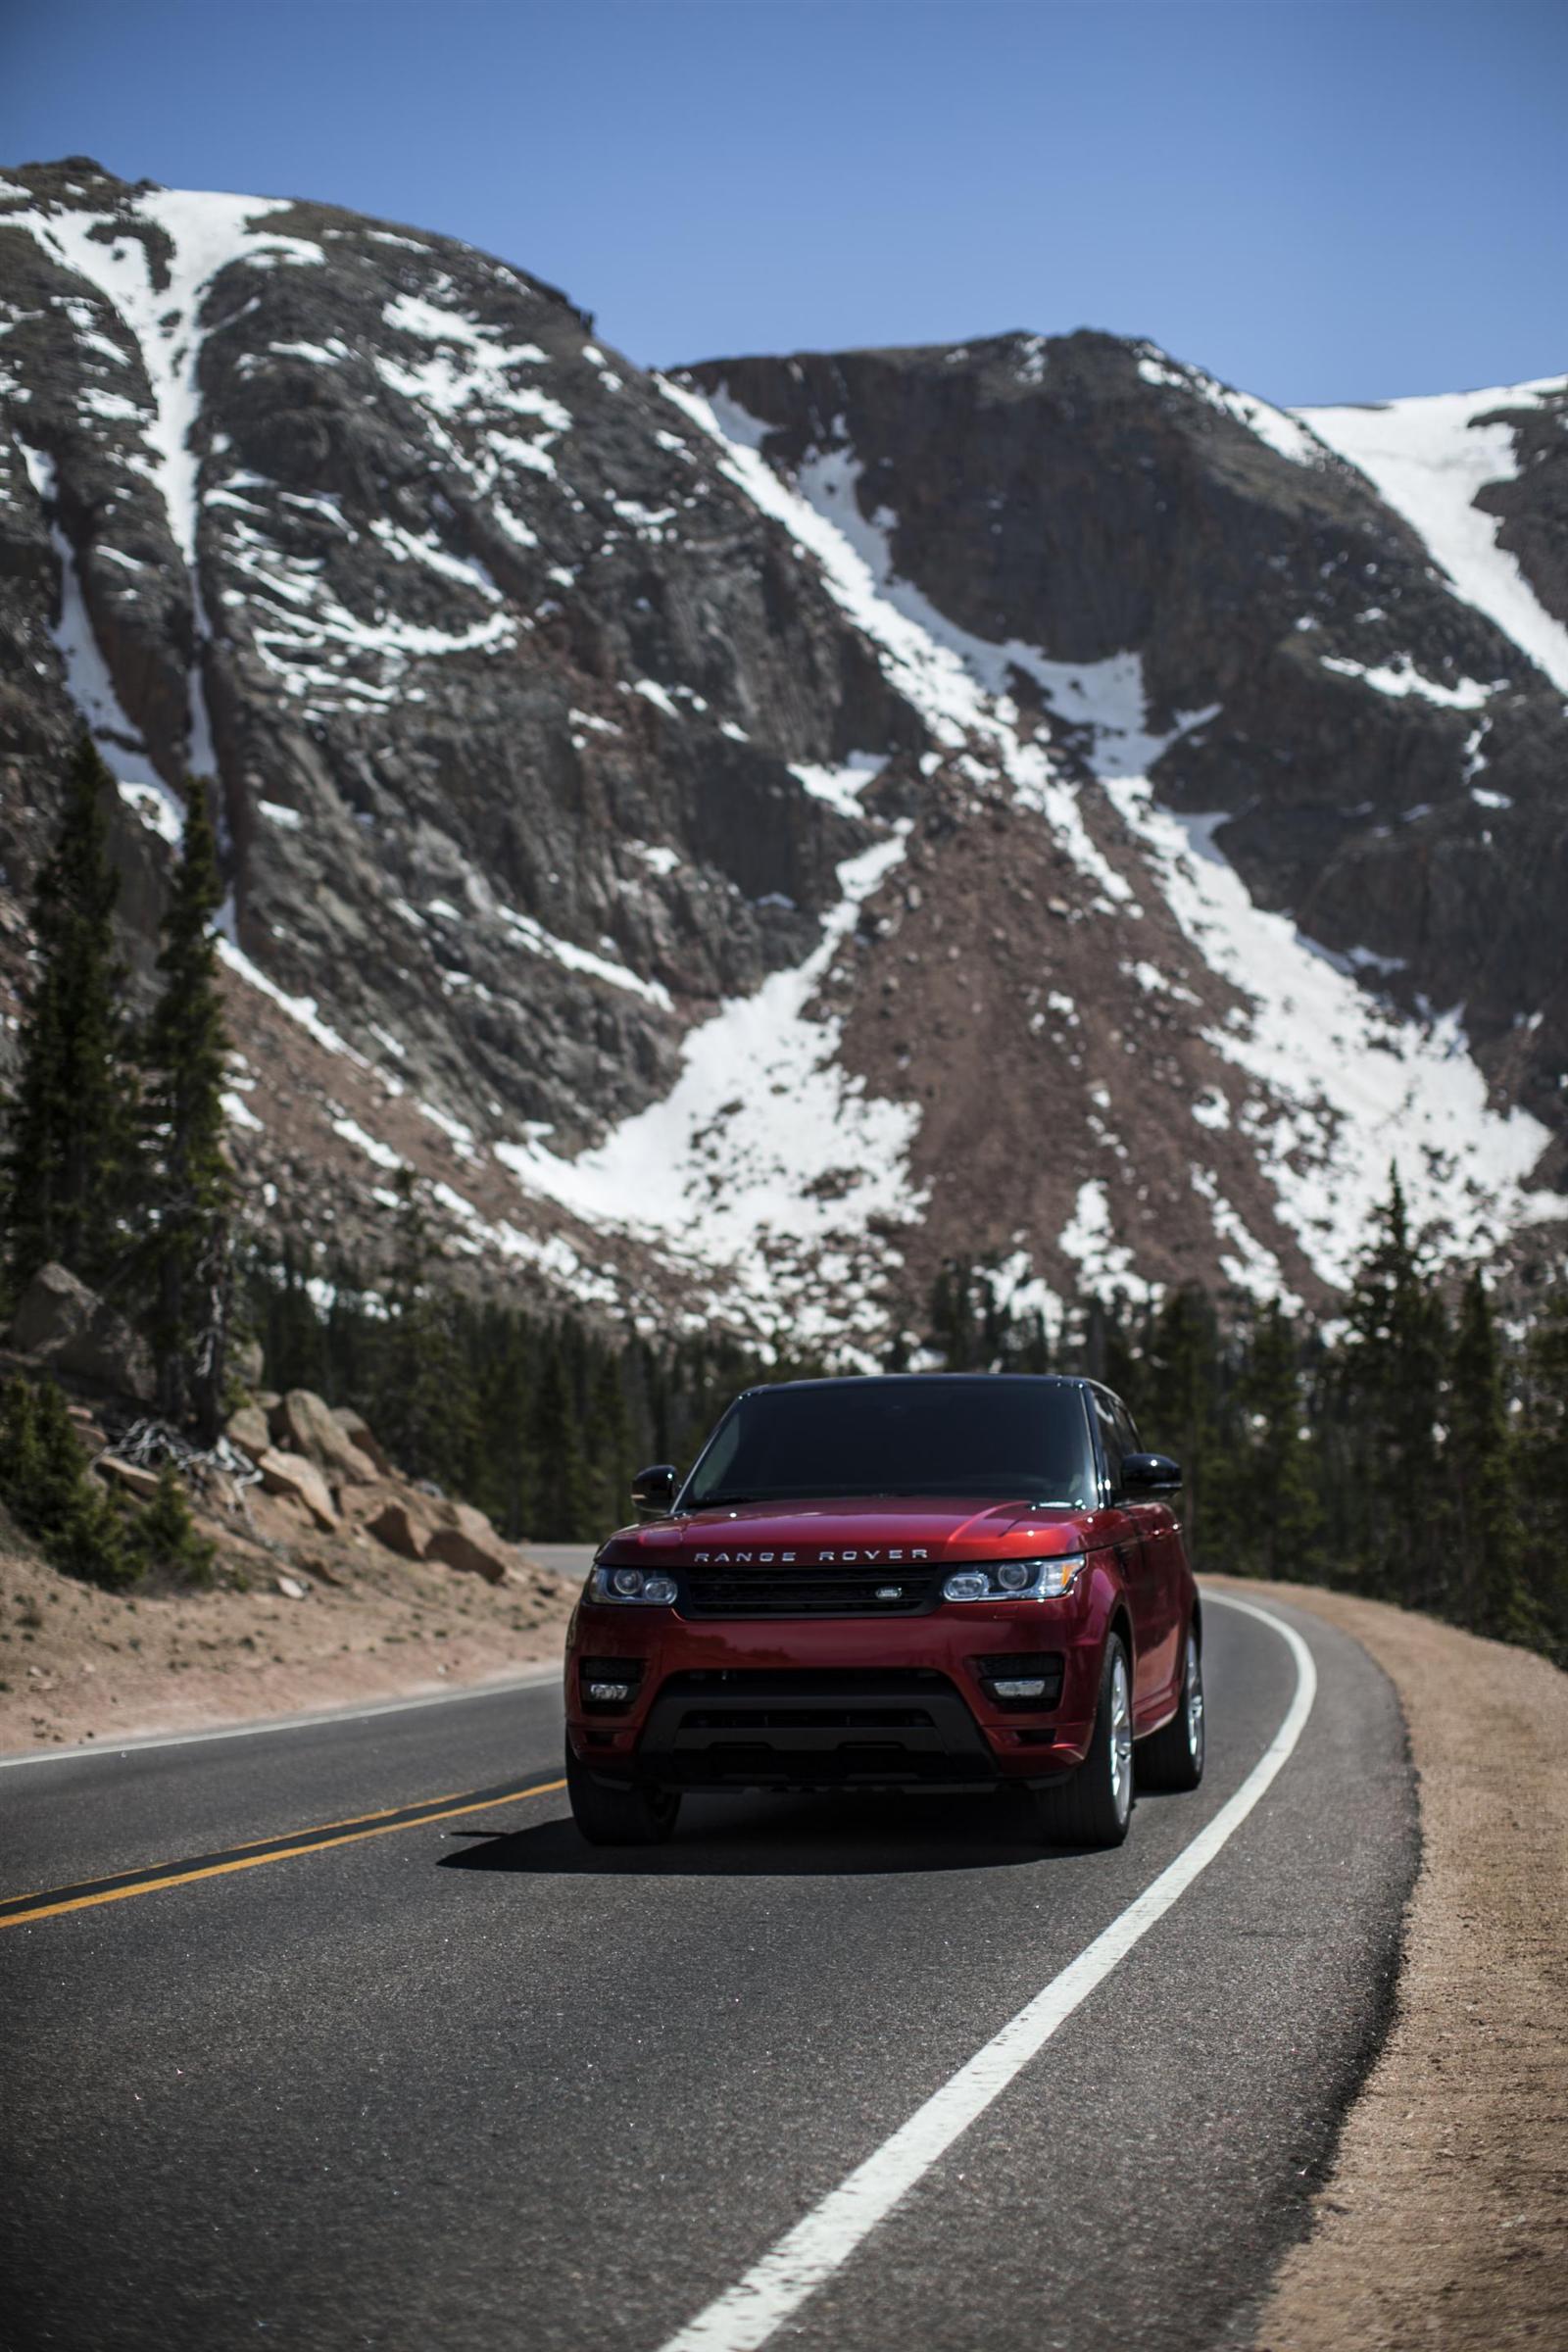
(748, 2313)
(550, 1670)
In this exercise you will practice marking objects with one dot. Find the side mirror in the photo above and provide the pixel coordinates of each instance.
(1150, 1474)
(654, 1490)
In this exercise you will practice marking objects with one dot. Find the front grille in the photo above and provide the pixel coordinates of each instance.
(829, 1591)
(806, 1719)
(806, 1681)
(798, 1699)
(813, 1727)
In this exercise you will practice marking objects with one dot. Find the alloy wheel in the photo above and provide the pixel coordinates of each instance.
(1121, 1740)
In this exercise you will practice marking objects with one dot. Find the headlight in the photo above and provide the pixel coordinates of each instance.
(650, 1586)
(1016, 1580)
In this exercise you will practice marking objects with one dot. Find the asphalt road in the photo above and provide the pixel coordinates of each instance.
(469, 2084)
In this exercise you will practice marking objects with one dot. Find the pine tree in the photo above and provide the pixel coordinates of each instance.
(424, 1410)
(1277, 1513)
(563, 1509)
(1391, 1379)
(69, 1152)
(1490, 1550)
(45, 1482)
(608, 1445)
(1541, 1461)
(186, 1055)
(163, 1535)
(1183, 1380)
(506, 1391)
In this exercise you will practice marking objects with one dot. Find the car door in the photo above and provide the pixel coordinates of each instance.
(1139, 1560)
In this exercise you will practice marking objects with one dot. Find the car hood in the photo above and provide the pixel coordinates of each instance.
(864, 1528)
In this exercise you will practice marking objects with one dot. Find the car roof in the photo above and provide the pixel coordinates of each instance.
(883, 1380)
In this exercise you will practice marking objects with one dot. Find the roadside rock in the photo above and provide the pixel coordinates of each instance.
(404, 1525)
(304, 1423)
(130, 1475)
(469, 1541)
(71, 1329)
(359, 1432)
(247, 1429)
(299, 1480)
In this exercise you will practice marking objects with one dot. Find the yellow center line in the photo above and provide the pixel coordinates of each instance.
(375, 1826)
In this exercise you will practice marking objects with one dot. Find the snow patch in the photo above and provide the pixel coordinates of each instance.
(1277, 429)
(959, 682)
(1428, 458)
(1402, 677)
(766, 1152)
(1342, 1085)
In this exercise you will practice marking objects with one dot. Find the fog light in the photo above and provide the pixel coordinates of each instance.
(1026, 1687)
(614, 1695)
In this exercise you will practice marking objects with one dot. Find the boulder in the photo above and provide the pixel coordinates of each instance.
(247, 1361)
(305, 1423)
(298, 1481)
(247, 1429)
(403, 1526)
(133, 1476)
(359, 1432)
(466, 1539)
(66, 1326)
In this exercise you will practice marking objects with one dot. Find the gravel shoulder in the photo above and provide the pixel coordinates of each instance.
(1443, 2223)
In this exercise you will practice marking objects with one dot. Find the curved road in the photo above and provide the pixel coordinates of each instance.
(457, 2081)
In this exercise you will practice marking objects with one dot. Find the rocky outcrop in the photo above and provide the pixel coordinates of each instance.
(1114, 502)
(248, 1430)
(405, 1523)
(465, 1540)
(362, 1438)
(304, 1424)
(299, 1480)
(67, 1328)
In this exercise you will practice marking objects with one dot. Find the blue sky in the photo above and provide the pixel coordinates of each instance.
(1316, 199)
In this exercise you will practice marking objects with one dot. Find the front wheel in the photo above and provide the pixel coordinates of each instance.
(630, 1816)
(1173, 1756)
(1095, 1805)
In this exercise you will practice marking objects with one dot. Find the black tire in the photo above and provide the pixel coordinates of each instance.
(1173, 1756)
(630, 1816)
(1095, 1807)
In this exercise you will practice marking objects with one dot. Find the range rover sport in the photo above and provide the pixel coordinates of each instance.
(923, 1581)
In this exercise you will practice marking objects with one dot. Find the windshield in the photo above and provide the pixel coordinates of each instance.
(922, 1435)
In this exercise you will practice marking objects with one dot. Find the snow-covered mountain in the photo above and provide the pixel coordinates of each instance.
(743, 836)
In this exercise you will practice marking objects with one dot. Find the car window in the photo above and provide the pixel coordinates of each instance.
(1128, 1429)
(917, 1435)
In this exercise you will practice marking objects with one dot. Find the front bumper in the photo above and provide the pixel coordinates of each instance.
(843, 1703)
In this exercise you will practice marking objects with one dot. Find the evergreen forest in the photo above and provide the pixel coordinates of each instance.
(1414, 1449)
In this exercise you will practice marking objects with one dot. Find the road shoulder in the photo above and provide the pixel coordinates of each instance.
(1445, 2218)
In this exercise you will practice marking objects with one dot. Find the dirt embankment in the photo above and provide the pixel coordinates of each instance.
(1444, 2226)
(358, 1623)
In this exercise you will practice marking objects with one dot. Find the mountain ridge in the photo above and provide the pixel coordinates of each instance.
(594, 759)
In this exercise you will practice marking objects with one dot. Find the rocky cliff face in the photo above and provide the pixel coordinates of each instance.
(742, 836)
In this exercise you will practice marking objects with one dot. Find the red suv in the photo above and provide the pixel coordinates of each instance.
(952, 1581)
